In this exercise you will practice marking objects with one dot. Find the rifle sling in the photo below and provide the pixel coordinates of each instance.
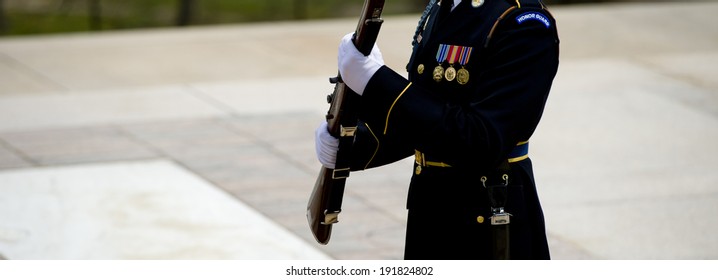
(341, 172)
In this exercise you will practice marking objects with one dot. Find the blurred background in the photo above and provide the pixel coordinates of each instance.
(23, 17)
(184, 129)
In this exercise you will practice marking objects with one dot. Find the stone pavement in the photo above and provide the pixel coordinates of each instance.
(624, 156)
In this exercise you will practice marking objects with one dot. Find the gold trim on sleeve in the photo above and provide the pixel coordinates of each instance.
(375, 150)
(386, 126)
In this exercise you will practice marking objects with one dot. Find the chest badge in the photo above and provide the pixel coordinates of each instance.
(477, 3)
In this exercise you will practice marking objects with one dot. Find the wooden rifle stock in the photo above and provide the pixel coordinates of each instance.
(325, 201)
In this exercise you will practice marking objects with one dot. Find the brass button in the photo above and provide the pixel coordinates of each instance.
(420, 69)
(480, 219)
(418, 169)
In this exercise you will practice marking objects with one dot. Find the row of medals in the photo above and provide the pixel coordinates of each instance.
(450, 74)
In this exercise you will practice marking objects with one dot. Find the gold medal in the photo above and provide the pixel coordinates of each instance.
(462, 77)
(441, 54)
(420, 69)
(452, 56)
(477, 3)
(450, 73)
(438, 73)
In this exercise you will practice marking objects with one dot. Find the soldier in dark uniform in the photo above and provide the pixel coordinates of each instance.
(479, 77)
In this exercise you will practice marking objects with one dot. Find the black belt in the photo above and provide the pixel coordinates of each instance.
(519, 153)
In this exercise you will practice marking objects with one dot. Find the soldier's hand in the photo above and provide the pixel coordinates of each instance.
(355, 68)
(326, 146)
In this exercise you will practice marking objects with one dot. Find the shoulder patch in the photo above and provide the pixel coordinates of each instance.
(533, 16)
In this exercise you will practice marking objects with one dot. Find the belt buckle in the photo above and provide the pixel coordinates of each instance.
(420, 161)
(419, 157)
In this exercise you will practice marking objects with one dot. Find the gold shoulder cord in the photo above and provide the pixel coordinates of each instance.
(493, 28)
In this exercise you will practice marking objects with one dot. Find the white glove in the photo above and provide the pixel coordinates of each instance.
(326, 146)
(355, 68)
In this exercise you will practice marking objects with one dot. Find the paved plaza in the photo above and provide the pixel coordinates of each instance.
(198, 143)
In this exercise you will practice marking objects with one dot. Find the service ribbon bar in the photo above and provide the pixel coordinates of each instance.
(465, 55)
(453, 53)
(442, 53)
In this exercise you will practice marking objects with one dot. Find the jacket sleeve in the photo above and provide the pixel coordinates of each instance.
(372, 149)
(502, 110)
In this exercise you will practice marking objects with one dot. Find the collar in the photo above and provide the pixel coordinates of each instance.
(456, 3)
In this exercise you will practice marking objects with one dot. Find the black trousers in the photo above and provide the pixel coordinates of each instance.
(449, 216)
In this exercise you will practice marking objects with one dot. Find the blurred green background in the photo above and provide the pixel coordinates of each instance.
(21, 17)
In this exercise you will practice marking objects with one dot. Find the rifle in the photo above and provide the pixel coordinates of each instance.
(325, 202)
